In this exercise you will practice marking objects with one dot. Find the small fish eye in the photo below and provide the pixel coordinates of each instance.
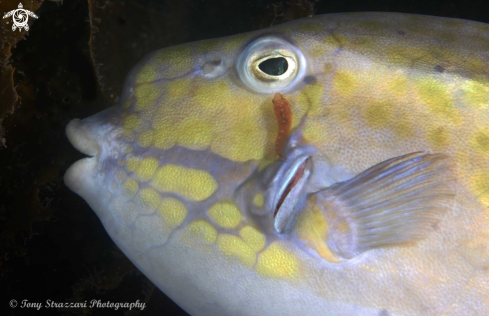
(274, 66)
(270, 64)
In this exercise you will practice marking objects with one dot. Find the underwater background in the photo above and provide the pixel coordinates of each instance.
(71, 64)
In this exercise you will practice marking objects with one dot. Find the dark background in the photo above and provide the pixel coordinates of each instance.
(71, 64)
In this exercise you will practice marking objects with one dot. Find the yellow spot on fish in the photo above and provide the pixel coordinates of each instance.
(150, 198)
(437, 97)
(131, 122)
(245, 141)
(146, 95)
(195, 133)
(481, 141)
(476, 92)
(130, 188)
(277, 262)
(173, 211)
(482, 187)
(162, 137)
(145, 139)
(132, 163)
(146, 169)
(202, 231)
(166, 63)
(193, 184)
(402, 129)
(378, 114)
(178, 88)
(398, 85)
(327, 45)
(253, 238)
(225, 214)
(310, 99)
(345, 83)
(192, 125)
(233, 246)
(438, 138)
(259, 199)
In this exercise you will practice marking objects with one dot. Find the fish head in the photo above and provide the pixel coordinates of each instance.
(183, 172)
(185, 175)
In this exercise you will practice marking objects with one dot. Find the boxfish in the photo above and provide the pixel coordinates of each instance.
(333, 165)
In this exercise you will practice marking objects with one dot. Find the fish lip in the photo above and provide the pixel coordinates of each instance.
(82, 138)
(291, 186)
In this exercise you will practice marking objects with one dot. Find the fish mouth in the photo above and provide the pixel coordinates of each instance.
(81, 138)
(291, 195)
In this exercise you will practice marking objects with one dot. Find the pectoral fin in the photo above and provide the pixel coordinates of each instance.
(394, 202)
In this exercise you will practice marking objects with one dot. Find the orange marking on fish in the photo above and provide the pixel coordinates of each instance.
(284, 118)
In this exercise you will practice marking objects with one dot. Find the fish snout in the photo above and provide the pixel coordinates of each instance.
(82, 138)
(90, 136)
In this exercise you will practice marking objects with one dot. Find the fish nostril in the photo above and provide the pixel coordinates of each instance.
(214, 68)
(215, 62)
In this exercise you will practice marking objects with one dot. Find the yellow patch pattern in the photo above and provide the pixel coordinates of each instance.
(482, 187)
(195, 133)
(233, 246)
(378, 114)
(202, 231)
(481, 141)
(476, 92)
(130, 188)
(345, 83)
(150, 199)
(438, 99)
(193, 184)
(131, 122)
(310, 98)
(259, 199)
(178, 88)
(145, 139)
(438, 138)
(277, 262)
(253, 238)
(167, 63)
(146, 169)
(146, 95)
(173, 211)
(225, 214)
(132, 163)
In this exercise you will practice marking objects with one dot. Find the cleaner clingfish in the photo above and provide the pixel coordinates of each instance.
(375, 201)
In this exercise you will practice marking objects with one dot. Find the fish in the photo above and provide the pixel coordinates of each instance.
(376, 203)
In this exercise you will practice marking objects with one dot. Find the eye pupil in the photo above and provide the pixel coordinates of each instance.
(274, 66)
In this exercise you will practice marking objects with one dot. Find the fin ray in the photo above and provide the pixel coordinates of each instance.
(394, 202)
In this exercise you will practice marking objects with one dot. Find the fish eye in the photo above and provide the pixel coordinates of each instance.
(270, 64)
(274, 66)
